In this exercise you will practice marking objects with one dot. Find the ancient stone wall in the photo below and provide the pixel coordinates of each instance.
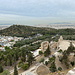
(44, 45)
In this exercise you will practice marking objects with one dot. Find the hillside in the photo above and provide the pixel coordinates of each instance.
(25, 31)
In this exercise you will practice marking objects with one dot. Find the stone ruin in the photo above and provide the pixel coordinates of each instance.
(53, 45)
(44, 45)
(71, 72)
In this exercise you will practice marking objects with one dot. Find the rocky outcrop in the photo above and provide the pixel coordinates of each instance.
(44, 45)
(71, 72)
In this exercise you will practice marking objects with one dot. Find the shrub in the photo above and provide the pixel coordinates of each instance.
(42, 60)
(40, 52)
(25, 66)
(46, 62)
(6, 72)
(59, 68)
(53, 67)
(1, 69)
(60, 51)
(72, 63)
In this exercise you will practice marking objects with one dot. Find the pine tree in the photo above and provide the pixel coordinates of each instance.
(15, 70)
(65, 59)
(53, 67)
(47, 52)
(1, 69)
(71, 48)
(30, 58)
(23, 56)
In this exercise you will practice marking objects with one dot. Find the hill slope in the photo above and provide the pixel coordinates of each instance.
(20, 30)
(26, 31)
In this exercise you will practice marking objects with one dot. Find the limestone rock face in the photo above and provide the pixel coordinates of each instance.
(63, 45)
(53, 45)
(71, 72)
(44, 45)
(60, 39)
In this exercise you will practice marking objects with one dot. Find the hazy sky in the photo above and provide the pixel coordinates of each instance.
(33, 12)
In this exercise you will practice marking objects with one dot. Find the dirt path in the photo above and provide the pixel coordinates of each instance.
(58, 63)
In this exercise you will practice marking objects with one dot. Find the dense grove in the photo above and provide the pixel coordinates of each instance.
(22, 57)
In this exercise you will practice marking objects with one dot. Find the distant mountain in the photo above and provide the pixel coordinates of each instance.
(62, 23)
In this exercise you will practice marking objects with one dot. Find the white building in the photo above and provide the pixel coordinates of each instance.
(36, 52)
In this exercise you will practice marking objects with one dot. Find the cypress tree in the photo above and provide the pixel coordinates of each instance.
(71, 48)
(53, 67)
(15, 70)
(30, 58)
(1, 69)
(47, 52)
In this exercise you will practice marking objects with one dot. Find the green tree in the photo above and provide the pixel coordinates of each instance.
(6, 72)
(15, 70)
(70, 48)
(23, 55)
(25, 66)
(7, 48)
(16, 55)
(42, 60)
(46, 62)
(47, 52)
(9, 56)
(5, 60)
(53, 67)
(73, 63)
(65, 59)
(59, 68)
(1, 69)
(52, 59)
(30, 58)
(40, 52)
